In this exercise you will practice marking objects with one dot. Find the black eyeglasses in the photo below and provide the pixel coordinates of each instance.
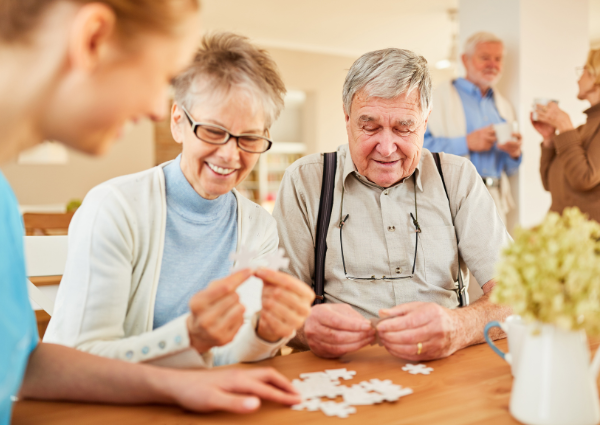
(417, 231)
(217, 135)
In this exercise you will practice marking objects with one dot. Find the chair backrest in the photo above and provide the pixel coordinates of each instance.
(45, 256)
(47, 223)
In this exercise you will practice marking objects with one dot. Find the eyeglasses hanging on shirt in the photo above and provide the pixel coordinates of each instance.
(414, 218)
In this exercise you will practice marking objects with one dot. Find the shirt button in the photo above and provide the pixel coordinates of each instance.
(145, 350)
(385, 192)
(398, 270)
(391, 228)
(162, 344)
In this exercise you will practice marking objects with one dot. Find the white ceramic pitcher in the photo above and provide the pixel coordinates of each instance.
(555, 383)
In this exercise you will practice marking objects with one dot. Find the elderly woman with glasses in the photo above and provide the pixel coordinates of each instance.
(570, 162)
(148, 274)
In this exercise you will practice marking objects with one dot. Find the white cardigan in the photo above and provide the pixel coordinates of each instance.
(447, 118)
(105, 302)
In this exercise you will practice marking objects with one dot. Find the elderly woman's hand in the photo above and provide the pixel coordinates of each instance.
(286, 303)
(556, 117)
(216, 313)
(547, 131)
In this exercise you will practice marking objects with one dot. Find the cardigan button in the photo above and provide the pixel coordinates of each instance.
(162, 344)
(129, 354)
(145, 350)
(178, 339)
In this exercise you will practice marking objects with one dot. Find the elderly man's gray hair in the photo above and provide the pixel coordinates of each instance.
(479, 37)
(387, 74)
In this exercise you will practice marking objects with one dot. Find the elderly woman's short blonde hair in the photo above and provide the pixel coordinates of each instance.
(477, 38)
(593, 64)
(226, 62)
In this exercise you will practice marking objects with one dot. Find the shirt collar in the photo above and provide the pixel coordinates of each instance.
(468, 87)
(350, 169)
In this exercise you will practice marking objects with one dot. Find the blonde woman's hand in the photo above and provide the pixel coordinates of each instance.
(553, 115)
(216, 313)
(546, 131)
(286, 303)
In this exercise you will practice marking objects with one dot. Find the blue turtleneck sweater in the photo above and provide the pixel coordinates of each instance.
(199, 237)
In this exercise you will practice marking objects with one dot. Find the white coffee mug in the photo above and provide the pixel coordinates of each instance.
(540, 101)
(515, 330)
(503, 132)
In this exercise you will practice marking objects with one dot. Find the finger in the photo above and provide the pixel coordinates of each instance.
(400, 309)
(287, 282)
(210, 311)
(412, 320)
(409, 336)
(270, 385)
(288, 300)
(275, 378)
(219, 325)
(231, 321)
(232, 281)
(229, 402)
(218, 289)
(281, 313)
(334, 320)
(337, 350)
(322, 333)
(409, 351)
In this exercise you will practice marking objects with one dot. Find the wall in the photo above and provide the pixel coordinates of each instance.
(321, 77)
(53, 184)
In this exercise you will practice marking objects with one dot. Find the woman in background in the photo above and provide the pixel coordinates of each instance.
(148, 275)
(570, 162)
(76, 71)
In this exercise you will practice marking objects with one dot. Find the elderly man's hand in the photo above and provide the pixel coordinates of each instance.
(481, 140)
(333, 330)
(286, 304)
(435, 327)
(216, 313)
(512, 147)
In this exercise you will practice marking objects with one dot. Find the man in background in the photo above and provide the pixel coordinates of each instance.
(463, 117)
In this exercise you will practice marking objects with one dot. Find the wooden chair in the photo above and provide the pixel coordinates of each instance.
(38, 224)
(46, 257)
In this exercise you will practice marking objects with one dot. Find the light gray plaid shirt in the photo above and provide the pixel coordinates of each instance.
(379, 235)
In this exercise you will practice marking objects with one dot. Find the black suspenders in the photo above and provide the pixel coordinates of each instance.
(325, 206)
(324, 217)
(461, 291)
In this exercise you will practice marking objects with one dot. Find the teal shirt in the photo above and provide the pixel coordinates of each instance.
(18, 328)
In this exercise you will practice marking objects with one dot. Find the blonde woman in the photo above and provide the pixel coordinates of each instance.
(77, 71)
(570, 162)
(148, 271)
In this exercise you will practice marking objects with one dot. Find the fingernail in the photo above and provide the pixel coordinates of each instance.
(251, 403)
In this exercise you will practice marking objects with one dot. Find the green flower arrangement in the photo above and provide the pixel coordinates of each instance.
(551, 273)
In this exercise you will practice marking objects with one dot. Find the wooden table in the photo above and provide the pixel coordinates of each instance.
(470, 387)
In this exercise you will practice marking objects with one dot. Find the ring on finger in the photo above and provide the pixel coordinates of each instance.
(419, 348)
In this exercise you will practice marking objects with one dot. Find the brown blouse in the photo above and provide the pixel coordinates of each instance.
(571, 169)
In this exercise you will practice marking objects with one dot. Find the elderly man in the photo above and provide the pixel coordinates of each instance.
(387, 187)
(466, 110)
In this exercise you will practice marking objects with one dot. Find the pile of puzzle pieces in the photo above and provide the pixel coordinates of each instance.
(326, 384)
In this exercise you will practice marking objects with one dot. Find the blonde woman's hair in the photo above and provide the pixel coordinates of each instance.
(19, 18)
(479, 37)
(226, 62)
(593, 64)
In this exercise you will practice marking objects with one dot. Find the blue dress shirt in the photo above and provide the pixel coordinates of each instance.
(480, 111)
(18, 328)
